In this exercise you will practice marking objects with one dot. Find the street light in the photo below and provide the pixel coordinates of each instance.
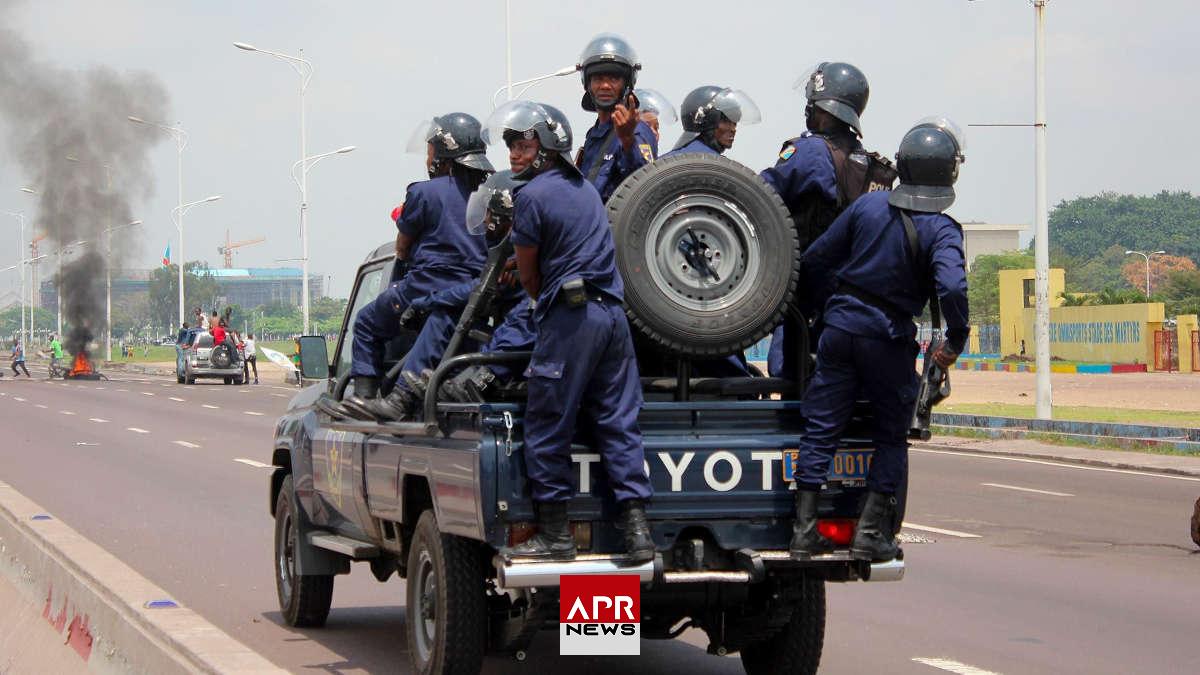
(20, 249)
(1147, 256)
(177, 215)
(57, 282)
(108, 285)
(180, 143)
(568, 70)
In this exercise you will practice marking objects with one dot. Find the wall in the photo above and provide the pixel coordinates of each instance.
(1103, 333)
(1185, 324)
(1013, 302)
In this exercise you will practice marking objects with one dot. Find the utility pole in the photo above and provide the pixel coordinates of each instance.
(1041, 248)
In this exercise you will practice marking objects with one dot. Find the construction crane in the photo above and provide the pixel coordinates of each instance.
(229, 247)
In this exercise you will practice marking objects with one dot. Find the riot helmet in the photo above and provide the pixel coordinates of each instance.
(654, 109)
(490, 207)
(455, 137)
(607, 53)
(704, 109)
(839, 89)
(526, 119)
(927, 162)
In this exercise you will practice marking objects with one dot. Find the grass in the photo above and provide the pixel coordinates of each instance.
(1174, 418)
(166, 353)
(1068, 441)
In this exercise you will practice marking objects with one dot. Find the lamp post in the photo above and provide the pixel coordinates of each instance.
(177, 215)
(1147, 256)
(561, 72)
(304, 68)
(20, 250)
(58, 278)
(300, 176)
(108, 285)
(180, 143)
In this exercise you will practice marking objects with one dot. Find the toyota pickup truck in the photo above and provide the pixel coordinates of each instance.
(435, 502)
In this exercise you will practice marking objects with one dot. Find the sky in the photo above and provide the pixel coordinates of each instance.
(1119, 89)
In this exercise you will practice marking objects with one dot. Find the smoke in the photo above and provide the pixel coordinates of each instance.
(87, 162)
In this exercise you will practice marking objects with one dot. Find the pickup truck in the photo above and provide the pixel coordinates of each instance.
(436, 501)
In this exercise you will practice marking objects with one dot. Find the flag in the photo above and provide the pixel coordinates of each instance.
(166, 259)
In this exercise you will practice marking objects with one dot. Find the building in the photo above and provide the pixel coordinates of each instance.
(989, 239)
(246, 287)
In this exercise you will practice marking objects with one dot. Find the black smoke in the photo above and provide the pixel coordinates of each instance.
(69, 132)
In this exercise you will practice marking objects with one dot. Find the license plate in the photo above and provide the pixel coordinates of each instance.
(847, 465)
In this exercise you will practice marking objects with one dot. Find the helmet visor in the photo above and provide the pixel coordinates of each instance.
(420, 137)
(496, 192)
(802, 83)
(737, 106)
(477, 209)
(950, 127)
(518, 116)
(653, 101)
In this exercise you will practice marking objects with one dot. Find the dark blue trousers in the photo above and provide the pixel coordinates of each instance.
(884, 372)
(431, 343)
(379, 322)
(583, 362)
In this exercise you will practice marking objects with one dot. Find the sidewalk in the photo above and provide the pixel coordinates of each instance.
(1115, 459)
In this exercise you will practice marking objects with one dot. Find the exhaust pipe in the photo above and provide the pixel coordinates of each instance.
(891, 570)
(531, 574)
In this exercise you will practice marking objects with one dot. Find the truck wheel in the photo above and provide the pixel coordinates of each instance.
(679, 213)
(228, 379)
(446, 615)
(304, 599)
(796, 648)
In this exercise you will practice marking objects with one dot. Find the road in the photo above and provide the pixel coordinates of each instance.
(1070, 569)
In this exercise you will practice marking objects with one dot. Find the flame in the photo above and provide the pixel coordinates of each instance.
(82, 366)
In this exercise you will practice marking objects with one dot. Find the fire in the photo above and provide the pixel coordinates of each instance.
(82, 366)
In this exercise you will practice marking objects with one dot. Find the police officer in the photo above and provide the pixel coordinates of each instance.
(711, 116)
(432, 243)
(655, 110)
(868, 346)
(619, 143)
(583, 361)
(826, 168)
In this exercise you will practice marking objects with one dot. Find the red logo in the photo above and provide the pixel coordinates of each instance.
(599, 614)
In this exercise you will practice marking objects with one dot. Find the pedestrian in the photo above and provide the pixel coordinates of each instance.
(18, 358)
(887, 253)
(583, 362)
(619, 142)
(201, 319)
(251, 359)
(56, 352)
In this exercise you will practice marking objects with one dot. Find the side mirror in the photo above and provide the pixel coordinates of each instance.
(314, 358)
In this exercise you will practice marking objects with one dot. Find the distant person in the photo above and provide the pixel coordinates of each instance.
(183, 330)
(18, 358)
(201, 319)
(251, 359)
(213, 321)
(56, 351)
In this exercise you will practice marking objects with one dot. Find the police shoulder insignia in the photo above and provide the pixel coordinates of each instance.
(647, 152)
(787, 152)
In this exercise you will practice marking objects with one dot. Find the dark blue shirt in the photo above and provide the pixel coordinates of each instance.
(434, 215)
(561, 214)
(867, 248)
(615, 161)
(805, 168)
(695, 145)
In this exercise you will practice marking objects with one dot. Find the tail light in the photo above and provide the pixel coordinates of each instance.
(519, 533)
(838, 530)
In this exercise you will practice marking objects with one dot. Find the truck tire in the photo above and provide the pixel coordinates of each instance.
(744, 232)
(220, 357)
(304, 599)
(446, 616)
(797, 647)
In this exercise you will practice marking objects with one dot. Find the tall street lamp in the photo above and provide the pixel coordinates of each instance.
(58, 280)
(300, 177)
(108, 285)
(304, 68)
(180, 143)
(177, 215)
(20, 251)
(1147, 256)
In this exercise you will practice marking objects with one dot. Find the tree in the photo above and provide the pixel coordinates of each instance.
(1181, 292)
(201, 289)
(1134, 270)
(10, 321)
(132, 317)
(1085, 226)
(983, 283)
(1093, 274)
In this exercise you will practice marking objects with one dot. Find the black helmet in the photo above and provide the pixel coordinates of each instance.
(532, 120)
(455, 136)
(491, 204)
(607, 53)
(839, 89)
(706, 106)
(928, 162)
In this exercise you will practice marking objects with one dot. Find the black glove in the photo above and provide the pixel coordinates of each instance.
(411, 317)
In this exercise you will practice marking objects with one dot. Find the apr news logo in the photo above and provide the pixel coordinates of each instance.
(599, 615)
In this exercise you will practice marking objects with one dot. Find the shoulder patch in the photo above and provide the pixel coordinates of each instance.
(787, 152)
(647, 151)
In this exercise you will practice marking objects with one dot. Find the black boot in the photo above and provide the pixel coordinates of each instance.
(553, 540)
(806, 540)
(354, 404)
(638, 543)
(875, 536)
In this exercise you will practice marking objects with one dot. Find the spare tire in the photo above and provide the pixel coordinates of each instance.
(220, 356)
(707, 251)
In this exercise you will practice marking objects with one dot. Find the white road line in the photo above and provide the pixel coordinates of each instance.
(97, 419)
(124, 390)
(1043, 462)
(251, 412)
(253, 463)
(136, 430)
(954, 666)
(18, 398)
(39, 405)
(176, 398)
(147, 393)
(1025, 489)
(185, 444)
(210, 407)
(938, 530)
(66, 412)
(99, 388)
(280, 395)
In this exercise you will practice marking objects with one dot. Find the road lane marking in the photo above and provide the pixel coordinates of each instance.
(39, 405)
(253, 463)
(99, 388)
(66, 412)
(176, 398)
(185, 444)
(124, 390)
(280, 395)
(954, 666)
(147, 393)
(211, 407)
(136, 430)
(938, 530)
(1025, 489)
(97, 419)
(18, 398)
(1043, 462)
(78, 443)
(251, 412)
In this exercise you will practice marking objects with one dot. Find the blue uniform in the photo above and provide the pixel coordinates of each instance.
(610, 162)
(443, 253)
(583, 359)
(694, 146)
(868, 346)
(804, 172)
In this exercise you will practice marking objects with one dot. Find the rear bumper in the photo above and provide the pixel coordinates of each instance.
(214, 372)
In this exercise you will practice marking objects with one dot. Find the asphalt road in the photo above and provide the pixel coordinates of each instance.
(1071, 569)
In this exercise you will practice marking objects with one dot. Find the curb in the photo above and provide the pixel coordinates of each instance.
(1083, 461)
(115, 619)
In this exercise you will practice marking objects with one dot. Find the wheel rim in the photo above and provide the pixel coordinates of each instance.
(700, 228)
(285, 558)
(424, 616)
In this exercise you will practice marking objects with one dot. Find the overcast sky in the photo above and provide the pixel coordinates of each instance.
(1121, 95)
